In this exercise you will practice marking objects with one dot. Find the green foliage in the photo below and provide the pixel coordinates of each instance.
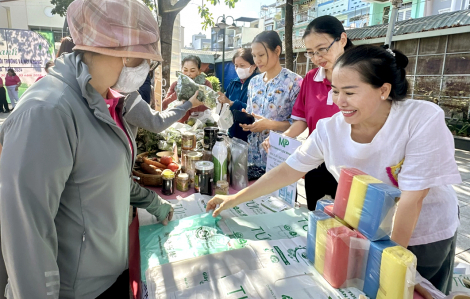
(215, 82)
(60, 7)
(458, 127)
(208, 20)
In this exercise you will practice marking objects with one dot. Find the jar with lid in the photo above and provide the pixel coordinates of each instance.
(188, 141)
(191, 158)
(221, 188)
(204, 177)
(168, 179)
(182, 182)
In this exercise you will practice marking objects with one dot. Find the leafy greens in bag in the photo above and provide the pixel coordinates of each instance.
(186, 88)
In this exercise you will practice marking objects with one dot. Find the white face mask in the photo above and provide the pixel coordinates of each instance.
(132, 78)
(243, 73)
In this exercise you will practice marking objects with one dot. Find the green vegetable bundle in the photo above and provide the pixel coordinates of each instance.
(186, 88)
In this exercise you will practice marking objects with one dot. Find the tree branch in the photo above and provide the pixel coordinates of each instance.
(165, 6)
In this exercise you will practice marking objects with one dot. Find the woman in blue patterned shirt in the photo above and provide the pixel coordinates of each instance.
(271, 95)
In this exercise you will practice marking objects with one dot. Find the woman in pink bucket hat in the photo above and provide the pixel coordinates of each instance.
(66, 158)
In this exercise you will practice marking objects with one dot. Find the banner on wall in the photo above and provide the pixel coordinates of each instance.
(26, 52)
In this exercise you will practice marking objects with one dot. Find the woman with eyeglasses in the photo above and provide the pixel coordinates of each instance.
(325, 40)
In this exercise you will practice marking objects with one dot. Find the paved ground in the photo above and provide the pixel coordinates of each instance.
(463, 192)
(3, 116)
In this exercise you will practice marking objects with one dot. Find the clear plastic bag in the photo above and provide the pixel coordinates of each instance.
(356, 198)
(372, 278)
(186, 88)
(182, 239)
(322, 203)
(313, 218)
(225, 117)
(380, 204)
(397, 273)
(344, 187)
(239, 165)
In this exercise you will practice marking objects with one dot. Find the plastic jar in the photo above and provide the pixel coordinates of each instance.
(191, 159)
(188, 141)
(168, 179)
(221, 188)
(204, 177)
(182, 182)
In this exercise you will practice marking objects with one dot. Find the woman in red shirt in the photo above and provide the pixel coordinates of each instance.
(191, 67)
(325, 40)
(12, 82)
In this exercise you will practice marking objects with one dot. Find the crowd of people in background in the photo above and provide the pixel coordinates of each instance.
(68, 149)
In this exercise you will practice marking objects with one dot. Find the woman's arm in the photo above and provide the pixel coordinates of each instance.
(297, 128)
(170, 96)
(263, 123)
(281, 176)
(406, 217)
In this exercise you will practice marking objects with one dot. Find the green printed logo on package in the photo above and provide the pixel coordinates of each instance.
(287, 227)
(203, 233)
(241, 241)
(238, 235)
(286, 297)
(274, 259)
(283, 142)
(293, 234)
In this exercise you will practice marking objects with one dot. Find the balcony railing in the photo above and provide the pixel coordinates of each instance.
(280, 23)
(301, 17)
(280, 3)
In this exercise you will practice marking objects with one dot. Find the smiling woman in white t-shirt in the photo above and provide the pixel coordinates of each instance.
(401, 142)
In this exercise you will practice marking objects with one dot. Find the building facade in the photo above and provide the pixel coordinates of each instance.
(33, 15)
(200, 42)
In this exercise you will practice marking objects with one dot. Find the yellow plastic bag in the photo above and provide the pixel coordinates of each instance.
(397, 273)
(356, 198)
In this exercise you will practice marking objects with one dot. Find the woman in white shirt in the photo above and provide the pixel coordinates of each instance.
(401, 142)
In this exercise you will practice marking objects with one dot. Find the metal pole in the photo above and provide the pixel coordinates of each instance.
(223, 61)
(391, 24)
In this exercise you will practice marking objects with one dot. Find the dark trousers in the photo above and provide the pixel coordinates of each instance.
(3, 100)
(318, 183)
(119, 290)
(436, 262)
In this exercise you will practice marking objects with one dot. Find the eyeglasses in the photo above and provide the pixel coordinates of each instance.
(154, 64)
(321, 51)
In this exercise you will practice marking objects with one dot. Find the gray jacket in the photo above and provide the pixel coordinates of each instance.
(138, 114)
(65, 184)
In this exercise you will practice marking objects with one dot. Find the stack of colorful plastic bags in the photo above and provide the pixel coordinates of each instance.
(339, 254)
(365, 257)
(370, 204)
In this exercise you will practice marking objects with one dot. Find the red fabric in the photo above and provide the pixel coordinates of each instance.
(337, 255)
(112, 101)
(9, 81)
(134, 258)
(39, 78)
(172, 96)
(311, 101)
(344, 187)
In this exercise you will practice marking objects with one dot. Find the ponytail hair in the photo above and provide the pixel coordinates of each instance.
(378, 65)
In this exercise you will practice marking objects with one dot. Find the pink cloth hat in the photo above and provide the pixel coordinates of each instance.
(119, 28)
